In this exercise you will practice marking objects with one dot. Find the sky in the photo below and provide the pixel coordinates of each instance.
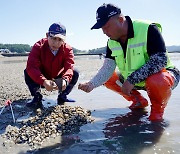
(27, 21)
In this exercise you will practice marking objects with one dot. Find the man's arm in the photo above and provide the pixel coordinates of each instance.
(101, 77)
(68, 63)
(104, 73)
(156, 63)
(34, 63)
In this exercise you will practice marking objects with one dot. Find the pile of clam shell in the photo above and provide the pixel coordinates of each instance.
(50, 122)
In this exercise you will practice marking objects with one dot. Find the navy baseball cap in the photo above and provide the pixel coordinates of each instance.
(57, 30)
(104, 13)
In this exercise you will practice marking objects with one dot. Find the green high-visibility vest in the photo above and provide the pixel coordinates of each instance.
(136, 52)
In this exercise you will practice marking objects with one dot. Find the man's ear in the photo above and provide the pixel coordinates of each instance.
(121, 19)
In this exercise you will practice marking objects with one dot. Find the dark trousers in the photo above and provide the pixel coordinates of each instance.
(35, 88)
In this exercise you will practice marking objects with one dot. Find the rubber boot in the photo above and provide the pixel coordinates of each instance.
(138, 100)
(158, 87)
(36, 102)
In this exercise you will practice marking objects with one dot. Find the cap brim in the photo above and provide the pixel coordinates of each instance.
(99, 24)
(58, 35)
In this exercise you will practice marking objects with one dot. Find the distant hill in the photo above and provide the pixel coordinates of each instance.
(97, 51)
(173, 48)
(103, 50)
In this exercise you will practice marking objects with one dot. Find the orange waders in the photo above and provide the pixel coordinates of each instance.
(138, 100)
(158, 87)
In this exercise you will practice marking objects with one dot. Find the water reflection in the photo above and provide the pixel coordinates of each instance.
(132, 133)
(129, 133)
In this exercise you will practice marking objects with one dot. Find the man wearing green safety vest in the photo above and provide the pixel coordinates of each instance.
(138, 50)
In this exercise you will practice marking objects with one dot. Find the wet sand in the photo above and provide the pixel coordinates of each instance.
(116, 129)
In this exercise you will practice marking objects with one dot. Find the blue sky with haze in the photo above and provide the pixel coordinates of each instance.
(27, 21)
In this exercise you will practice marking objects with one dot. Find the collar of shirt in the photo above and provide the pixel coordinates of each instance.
(129, 35)
(54, 52)
(130, 27)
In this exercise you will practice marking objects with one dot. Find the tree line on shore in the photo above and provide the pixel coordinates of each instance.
(20, 48)
(15, 48)
(25, 48)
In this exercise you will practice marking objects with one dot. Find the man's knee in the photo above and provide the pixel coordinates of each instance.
(29, 81)
(162, 79)
(75, 77)
(76, 73)
(112, 81)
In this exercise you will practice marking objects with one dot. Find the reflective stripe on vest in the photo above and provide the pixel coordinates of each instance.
(136, 52)
(137, 45)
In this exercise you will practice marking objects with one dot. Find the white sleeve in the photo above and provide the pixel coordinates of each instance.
(104, 73)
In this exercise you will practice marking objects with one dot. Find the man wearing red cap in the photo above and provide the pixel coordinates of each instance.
(50, 65)
(138, 50)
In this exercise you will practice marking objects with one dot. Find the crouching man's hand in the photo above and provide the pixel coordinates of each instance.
(127, 88)
(60, 83)
(86, 87)
(50, 85)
